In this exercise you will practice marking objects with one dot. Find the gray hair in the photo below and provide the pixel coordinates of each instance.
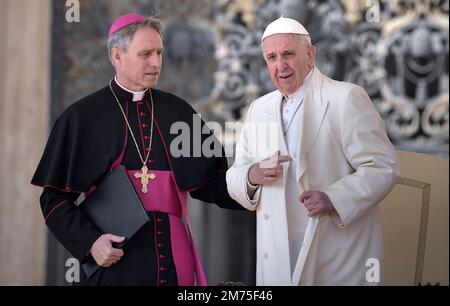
(304, 39)
(122, 38)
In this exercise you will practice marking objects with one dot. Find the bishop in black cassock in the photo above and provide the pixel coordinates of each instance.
(91, 139)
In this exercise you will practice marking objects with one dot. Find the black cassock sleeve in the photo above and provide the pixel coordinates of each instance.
(215, 191)
(70, 225)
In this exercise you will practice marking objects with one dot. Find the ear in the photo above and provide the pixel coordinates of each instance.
(116, 56)
(311, 55)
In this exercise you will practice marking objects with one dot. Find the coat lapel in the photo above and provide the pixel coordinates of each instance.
(274, 114)
(311, 120)
(307, 241)
(314, 112)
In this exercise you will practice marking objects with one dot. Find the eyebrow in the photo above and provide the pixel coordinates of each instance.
(150, 50)
(282, 52)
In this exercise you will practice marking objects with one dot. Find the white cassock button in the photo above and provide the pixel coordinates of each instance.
(266, 216)
(266, 255)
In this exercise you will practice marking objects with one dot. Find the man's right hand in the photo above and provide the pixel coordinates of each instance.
(103, 251)
(263, 176)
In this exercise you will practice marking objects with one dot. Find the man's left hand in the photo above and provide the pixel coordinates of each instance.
(316, 202)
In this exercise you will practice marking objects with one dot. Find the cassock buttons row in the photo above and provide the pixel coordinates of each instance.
(162, 268)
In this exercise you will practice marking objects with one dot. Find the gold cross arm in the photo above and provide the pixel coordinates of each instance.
(144, 177)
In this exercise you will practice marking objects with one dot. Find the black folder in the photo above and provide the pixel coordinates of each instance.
(115, 208)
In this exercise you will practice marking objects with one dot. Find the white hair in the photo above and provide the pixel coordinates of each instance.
(305, 39)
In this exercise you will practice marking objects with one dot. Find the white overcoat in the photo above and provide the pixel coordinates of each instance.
(344, 152)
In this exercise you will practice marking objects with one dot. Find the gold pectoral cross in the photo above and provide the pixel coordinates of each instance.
(144, 176)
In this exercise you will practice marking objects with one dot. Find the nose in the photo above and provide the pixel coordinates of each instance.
(155, 60)
(281, 65)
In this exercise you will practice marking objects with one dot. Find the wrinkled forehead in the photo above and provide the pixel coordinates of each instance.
(280, 42)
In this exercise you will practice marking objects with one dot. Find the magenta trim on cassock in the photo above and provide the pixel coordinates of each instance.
(199, 273)
(164, 195)
(182, 252)
(161, 195)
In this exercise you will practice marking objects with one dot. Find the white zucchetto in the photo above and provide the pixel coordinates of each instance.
(284, 25)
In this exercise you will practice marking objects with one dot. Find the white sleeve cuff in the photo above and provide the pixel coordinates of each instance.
(336, 218)
(253, 192)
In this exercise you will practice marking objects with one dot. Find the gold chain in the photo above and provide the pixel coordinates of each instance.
(144, 162)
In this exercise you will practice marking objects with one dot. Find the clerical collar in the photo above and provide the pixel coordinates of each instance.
(300, 92)
(137, 95)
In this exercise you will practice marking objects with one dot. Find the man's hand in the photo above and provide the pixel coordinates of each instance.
(316, 202)
(262, 174)
(104, 253)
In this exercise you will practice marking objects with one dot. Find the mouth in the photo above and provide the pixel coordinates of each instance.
(152, 74)
(285, 77)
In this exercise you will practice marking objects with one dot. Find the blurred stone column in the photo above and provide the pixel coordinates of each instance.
(24, 104)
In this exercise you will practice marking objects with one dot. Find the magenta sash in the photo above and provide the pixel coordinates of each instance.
(164, 195)
(161, 195)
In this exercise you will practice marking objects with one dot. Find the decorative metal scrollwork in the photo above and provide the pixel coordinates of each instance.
(400, 57)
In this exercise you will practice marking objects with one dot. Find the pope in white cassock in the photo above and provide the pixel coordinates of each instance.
(313, 160)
